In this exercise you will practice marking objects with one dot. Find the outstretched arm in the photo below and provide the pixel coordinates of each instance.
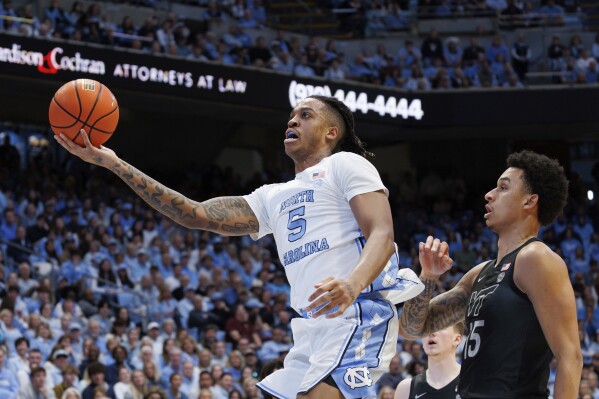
(223, 215)
(423, 314)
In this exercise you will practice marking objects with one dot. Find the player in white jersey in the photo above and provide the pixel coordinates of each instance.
(334, 234)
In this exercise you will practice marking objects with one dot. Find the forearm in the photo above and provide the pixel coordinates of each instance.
(375, 255)
(422, 315)
(415, 312)
(166, 201)
(225, 215)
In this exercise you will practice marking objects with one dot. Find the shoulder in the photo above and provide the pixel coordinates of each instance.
(539, 255)
(263, 190)
(347, 157)
(537, 264)
(403, 389)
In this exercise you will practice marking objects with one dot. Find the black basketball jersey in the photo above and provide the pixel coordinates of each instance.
(506, 354)
(420, 389)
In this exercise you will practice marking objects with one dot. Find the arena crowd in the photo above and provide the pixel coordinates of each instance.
(431, 62)
(103, 297)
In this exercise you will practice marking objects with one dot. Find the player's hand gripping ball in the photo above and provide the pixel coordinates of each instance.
(84, 104)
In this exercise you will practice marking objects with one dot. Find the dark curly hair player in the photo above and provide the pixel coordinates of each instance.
(519, 309)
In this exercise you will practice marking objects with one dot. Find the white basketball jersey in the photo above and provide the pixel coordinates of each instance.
(313, 225)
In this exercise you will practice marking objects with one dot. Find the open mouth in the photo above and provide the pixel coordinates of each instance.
(291, 136)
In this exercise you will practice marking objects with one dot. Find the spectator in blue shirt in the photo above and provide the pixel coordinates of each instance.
(8, 381)
(395, 19)
(165, 307)
(553, 13)
(174, 365)
(248, 21)
(569, 243)
(8, 228)
(259, 12)
(270, 349)
(174, 387)
(453, 53)
(359, 70)
(591, 74)
(495, 48)
(43, 340)
(302, 69)
(408, 55)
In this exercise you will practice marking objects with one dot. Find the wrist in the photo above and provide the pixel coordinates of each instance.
(355, 285)
(428, 276)
(110, 162)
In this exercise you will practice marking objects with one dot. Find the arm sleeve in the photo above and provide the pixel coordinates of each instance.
(257, 201)
(355, 175)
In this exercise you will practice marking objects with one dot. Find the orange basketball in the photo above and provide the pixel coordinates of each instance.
(84, 104)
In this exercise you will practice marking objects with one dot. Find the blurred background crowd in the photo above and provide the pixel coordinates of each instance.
(502, 43)
(100, 296)
(104, 295)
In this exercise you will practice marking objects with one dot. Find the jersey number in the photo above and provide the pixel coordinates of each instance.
(296, 222)
(473, 343)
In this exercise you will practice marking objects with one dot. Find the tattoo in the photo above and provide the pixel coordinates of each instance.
(168, 202)
(233, 214)
(350, 291)
(230, 215)
(98, 160)
(446, 310)
(421, 315)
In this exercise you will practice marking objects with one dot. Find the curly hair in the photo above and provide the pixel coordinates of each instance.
(546, 178)
(344, 118)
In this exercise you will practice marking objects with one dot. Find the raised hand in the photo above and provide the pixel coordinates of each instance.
(97, 155)
(434, 257)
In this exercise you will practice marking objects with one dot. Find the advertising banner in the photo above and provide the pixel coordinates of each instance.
(167, 76)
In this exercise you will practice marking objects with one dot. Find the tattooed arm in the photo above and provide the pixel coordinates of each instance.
(224, 215)
(422, 315)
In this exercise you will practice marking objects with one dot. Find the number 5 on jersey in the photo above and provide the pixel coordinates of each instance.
(296, 224)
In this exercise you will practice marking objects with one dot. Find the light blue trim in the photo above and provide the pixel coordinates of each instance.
(392, 319)
(341, 352)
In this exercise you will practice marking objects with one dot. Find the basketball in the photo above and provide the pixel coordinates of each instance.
(84, 104)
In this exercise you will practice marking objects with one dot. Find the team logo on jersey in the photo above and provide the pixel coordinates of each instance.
(505, 267)
(357, 377)
(500, 277)
(478, 297)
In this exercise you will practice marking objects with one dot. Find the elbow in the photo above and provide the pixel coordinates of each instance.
(572, 359)
(386, 236)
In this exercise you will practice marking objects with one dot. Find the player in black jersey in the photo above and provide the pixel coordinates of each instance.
(440, 380)
(519, 309)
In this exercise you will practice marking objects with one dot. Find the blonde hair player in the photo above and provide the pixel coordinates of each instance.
(440, 379)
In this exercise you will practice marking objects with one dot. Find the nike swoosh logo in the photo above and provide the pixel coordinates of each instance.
(481, 278)
(422, 394)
